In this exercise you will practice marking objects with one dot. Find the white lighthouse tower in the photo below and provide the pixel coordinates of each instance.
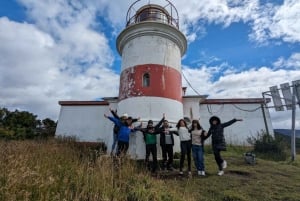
(151, 47)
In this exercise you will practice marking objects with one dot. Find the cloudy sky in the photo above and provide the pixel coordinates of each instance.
(53, 50)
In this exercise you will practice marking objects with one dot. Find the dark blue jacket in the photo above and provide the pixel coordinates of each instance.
(124, 130)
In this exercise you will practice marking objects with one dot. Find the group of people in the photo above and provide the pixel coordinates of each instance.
(191, 137)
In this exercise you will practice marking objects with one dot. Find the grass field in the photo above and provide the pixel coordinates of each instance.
(59, 170)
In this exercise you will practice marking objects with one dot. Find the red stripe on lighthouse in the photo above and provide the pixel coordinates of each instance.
(164, 82)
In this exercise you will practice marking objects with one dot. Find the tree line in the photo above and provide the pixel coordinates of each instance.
(20, 125)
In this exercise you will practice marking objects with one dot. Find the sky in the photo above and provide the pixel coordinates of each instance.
(53, 50)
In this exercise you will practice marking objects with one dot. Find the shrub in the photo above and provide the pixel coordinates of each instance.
(269, 147)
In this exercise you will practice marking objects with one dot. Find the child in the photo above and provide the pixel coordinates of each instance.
(216, 130)
(150, 133)
(198, 135)
(167, 143)
(116, 128)
(125, 130)
(185, 144)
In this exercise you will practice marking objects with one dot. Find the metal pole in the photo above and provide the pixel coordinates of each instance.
(293, 134)
(264, 114)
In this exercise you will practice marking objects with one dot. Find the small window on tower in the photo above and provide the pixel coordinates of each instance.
(146, 80)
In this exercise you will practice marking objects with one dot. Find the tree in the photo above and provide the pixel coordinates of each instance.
(24, 125)
(49, 127)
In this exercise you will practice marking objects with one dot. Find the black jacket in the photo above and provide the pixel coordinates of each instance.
(163, 135)
(217, 133)
(145, 131)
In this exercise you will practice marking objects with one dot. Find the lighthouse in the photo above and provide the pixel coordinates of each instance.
(151, 47)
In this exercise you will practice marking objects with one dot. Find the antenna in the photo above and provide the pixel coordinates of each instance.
(276, 98)
(289, 94)
(286, 91)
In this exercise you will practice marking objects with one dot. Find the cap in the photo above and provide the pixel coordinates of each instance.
(124, 116)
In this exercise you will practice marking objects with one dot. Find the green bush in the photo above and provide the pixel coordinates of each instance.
(269, 147)
(21, 125)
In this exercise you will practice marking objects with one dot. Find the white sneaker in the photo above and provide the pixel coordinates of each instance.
(224, 164)
(181, 173)
(221, 172)
(203, 173)
(199, 172)
(189, 173)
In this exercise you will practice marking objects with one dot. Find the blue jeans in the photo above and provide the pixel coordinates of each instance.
(198, 155)
(185, 147)
(114, 142)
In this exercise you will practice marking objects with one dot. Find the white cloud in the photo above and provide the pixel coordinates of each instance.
(192, 15)
(222, 12)
(277, 22)
(246, 84)
(286, 22)
(60, 57)
(267, 21)
(292, 62)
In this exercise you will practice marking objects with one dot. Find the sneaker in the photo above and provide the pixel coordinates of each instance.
(181, 173)
(224, 164)
(203, 173)
(189, 173)
(221, 172)
(199, 172)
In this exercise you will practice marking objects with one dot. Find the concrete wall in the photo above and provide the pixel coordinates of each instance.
(191, 107)
(86, 123)
(237, 133)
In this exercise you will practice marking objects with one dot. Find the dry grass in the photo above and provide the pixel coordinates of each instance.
(56, 170)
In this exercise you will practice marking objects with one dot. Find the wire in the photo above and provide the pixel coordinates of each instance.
(190, 84)
(209, 109)
(253, 110)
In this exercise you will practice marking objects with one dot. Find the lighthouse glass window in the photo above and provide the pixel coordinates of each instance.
(146, 80)
(152, 14)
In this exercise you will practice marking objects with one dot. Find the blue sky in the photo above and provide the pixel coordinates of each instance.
(65, 50)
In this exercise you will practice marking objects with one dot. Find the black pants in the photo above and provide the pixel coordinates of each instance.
(218, 158)
(122, 148)
(186, 149)
(167, 154)
(151, 149)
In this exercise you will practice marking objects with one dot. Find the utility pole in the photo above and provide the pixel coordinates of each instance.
(293, 134)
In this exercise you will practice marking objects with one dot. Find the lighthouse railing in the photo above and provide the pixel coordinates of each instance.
(167, 14)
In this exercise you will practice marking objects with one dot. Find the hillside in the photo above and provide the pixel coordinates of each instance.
(60, 170)
(287, 132)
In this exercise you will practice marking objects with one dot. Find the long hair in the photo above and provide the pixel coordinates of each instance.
(198, 126)
(178, 124)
